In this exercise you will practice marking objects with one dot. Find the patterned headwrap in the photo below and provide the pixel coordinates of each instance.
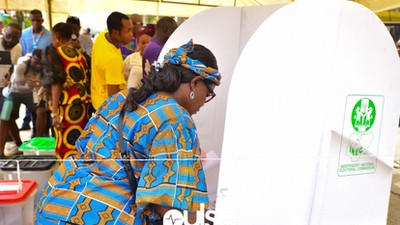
(178, 56)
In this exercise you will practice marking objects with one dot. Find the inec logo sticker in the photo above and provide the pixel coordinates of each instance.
(363, 115)
(360, 135)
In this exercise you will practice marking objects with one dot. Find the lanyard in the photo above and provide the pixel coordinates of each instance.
(35, 41)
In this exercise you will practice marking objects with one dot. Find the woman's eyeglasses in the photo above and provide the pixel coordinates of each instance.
(137, 23)
(211, 94)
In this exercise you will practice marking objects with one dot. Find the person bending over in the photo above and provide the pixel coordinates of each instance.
(159, 136)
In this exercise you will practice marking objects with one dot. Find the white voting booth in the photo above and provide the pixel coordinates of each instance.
(225, 31)
(306, 116)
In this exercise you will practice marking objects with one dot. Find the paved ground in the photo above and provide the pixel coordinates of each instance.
(394, 202)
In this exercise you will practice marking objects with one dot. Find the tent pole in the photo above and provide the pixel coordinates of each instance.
(49, 13)
(158, 9)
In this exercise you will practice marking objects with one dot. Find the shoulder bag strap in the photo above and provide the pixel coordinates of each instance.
(125, 157)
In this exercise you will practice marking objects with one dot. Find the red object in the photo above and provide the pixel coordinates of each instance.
(13, 197)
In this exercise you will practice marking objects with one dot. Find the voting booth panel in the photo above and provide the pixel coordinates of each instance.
(269, 139)
(355, 170)
(225, 32)
(312, 140)
(306, 115)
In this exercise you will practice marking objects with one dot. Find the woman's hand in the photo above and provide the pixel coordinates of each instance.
(57, 122)
(33, 83)
(75, 43)
(5, 81)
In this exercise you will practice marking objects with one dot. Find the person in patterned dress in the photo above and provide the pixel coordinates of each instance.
(69, 90)
(158, 134)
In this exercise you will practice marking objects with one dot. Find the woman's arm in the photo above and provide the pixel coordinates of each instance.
(56, 90)
(58, 78)
(18, 80)
(176, 146)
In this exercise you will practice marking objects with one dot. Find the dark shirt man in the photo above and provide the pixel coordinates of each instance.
(165, 27)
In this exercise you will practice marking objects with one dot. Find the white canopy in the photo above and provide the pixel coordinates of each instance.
(183, 8)
(58, 10)
(381, 5)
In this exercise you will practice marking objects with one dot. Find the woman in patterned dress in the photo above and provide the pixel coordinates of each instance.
(70, 99)
(160, 138)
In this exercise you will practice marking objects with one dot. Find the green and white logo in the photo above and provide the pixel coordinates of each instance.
(362, 119)
(360, 134)
(363, 115)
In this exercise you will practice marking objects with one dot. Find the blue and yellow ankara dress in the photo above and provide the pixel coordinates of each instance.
(94, 189)
(161, 139)
(74, 101)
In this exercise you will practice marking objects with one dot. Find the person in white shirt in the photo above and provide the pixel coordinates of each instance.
(133, 70)
(10, 43)
(25, 83)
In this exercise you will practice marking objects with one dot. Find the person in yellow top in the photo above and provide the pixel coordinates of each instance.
(107, 64)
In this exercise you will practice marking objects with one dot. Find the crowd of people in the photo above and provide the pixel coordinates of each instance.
(125, 137)
(85, 71)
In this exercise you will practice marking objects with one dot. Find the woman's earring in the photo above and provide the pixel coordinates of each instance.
(191, 95)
